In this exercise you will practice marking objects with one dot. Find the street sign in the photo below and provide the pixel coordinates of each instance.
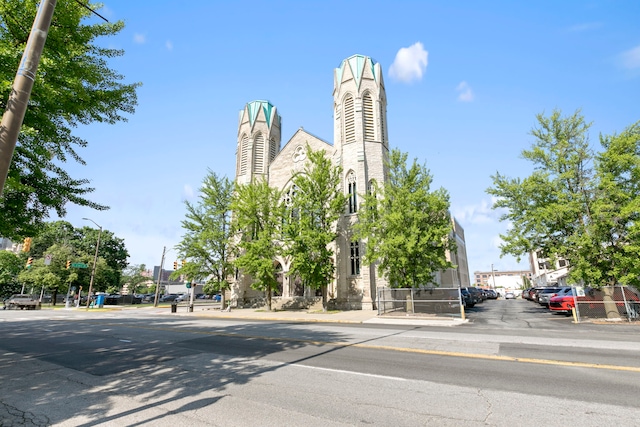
(79, 265)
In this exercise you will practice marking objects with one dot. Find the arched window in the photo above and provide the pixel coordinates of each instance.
(244, 154)
(351, 190)
(258, 153)
(349, 120)
(369, 127)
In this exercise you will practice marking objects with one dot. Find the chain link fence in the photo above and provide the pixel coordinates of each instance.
(419, 301)
(611, 302)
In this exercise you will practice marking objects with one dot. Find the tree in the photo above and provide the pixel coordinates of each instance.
(207, 239)
(258, 212)
(577, 204)
(10, 266)
(73, 86)
(83, 242)
(313, 215)
(406, 226)
(134, 276)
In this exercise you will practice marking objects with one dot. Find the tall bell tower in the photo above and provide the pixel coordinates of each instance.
(258, 144)
(361, 142)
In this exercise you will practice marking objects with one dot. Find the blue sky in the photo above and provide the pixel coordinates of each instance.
(464, 81)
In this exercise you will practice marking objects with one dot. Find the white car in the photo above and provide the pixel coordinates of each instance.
(509, 295)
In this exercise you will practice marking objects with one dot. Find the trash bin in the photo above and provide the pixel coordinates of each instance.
(100, 301)
(174, 307)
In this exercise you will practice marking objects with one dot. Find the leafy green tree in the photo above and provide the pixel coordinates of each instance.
(315, 208)
(134, 276)
(74, 86)
(206, 243)
(258, 212)
(10, 267)
(55, 277)
(406, 225)
(577, 204)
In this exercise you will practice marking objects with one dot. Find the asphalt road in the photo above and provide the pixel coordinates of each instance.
(512, 364)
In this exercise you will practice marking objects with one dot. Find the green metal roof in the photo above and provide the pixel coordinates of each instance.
(254, 107)
(357, 64)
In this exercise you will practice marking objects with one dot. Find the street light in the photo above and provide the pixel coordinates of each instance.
(95, 261)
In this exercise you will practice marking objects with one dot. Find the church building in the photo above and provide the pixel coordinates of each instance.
(360, 147)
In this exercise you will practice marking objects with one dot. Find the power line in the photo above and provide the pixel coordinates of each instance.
(91, 10)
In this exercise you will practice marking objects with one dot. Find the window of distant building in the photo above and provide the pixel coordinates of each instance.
(562, 263)
(349, 120)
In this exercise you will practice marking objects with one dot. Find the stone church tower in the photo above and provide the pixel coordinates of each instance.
(360, 147)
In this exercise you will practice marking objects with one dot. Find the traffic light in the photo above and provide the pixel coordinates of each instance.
(184, 262)
(68, 264)
(29, 262)
(175, 265)
(26, 246)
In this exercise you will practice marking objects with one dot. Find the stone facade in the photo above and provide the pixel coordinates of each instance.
(360, 147)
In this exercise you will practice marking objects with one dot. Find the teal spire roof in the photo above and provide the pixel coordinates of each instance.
(357, 64)
(254, 108)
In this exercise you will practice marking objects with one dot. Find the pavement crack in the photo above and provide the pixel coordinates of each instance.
(489, 406)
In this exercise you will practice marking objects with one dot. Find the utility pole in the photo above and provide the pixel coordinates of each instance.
(23, 83)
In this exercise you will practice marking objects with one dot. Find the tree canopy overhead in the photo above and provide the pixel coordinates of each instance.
(74, 86)
(577, 204)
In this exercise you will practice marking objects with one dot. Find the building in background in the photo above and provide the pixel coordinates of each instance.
(507, 279)
(547, 272)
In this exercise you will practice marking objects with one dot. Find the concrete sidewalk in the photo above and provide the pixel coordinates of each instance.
(351, 316)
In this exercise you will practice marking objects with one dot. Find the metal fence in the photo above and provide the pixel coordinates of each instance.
(419, 301)
(613, 302)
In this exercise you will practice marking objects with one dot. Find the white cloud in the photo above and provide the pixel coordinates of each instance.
(169, 45)
(139, 38)
(477, 214)
(410, 63)
(188, 192)
(465, 94)
(631, 58)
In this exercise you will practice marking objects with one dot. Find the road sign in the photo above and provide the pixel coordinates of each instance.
(79, 265)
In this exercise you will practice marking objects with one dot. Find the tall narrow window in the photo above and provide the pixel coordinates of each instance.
(355, 258)
(349, 120)
(382, 124)
(351, 189)
(369, 128)
(258, 153)
(244, 153)
(273, 150)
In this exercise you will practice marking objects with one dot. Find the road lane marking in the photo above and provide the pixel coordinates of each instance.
(403, 349)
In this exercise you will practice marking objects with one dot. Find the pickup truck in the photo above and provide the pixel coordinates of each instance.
(21, 301)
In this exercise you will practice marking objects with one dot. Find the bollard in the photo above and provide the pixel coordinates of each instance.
(174, 307)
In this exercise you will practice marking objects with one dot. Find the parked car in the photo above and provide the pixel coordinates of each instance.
(547, 293)
(491, 294)
(168, 297)
(475, 295)
(467, 299)
(21, 301)
(562, 303)
(509, 295)
(183, 297)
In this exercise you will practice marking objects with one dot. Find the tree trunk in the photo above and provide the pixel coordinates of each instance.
(324, 298)
(610, 307)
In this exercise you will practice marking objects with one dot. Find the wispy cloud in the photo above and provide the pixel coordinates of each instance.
(586, 26)
(139, 38)
(169, 45)
(410, 63)
(481, 213)
(631, 58)
(465, 94)
(188, 192)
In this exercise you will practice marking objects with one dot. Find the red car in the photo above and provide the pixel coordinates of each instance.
(562, 303)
